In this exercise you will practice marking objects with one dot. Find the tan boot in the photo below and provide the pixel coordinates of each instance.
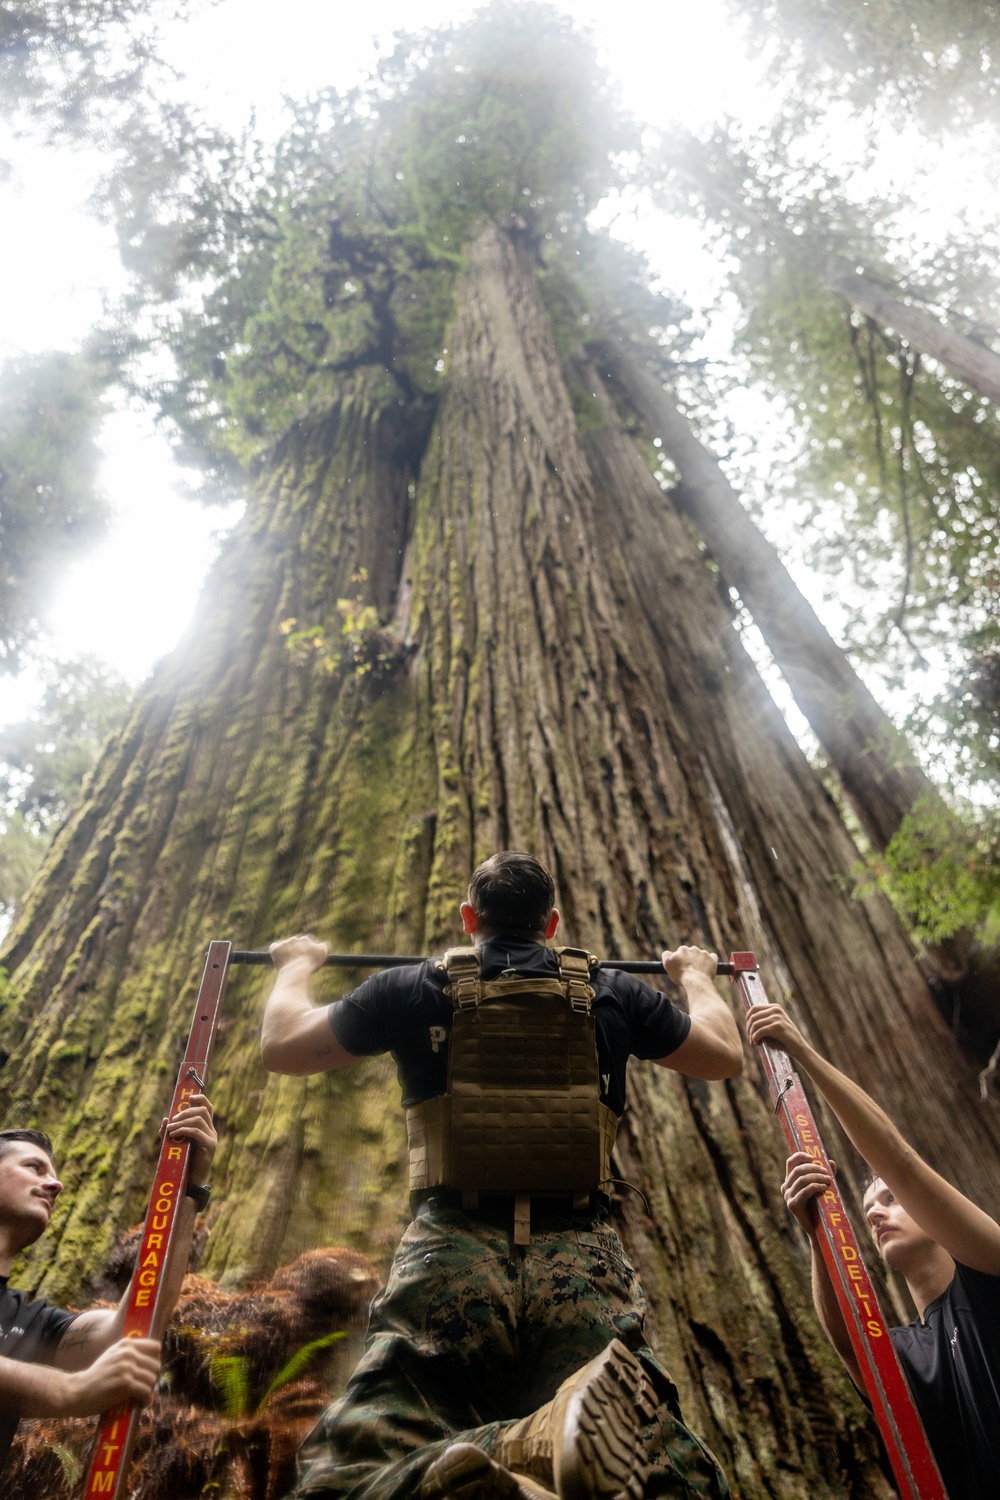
(587, 1441)
(465, 1472)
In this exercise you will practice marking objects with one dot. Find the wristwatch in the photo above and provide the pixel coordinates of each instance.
(201, 1193)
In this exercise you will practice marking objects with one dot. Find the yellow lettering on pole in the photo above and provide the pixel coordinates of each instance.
(165, 1189)
(174, 1154)
(163, 1206)
(835, 1219)
(103, 1484)
(142, 1299)
(154, 1242)
(160, 1223)
(114, 1429)
(874, 1328)
(147, 1278)
(152, 1259)
(848, 1252)
(856, 1274)
(110, 1449)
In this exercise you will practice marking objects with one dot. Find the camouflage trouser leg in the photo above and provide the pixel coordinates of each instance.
(471, 1333)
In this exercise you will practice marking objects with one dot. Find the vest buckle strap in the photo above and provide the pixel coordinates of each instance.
(574, 971)
(463, 969)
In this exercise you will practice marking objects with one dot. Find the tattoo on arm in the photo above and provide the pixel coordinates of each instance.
(75, 1337)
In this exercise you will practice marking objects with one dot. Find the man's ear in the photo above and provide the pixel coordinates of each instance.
(552, 923)
(470, 922)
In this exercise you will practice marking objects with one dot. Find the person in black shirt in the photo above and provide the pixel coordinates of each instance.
(498, 1364)
(946, 1249)
(60, 1364)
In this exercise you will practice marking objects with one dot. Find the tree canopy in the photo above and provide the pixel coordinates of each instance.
(44, 760)
(272, 275)
(937, 63)
(51, 508)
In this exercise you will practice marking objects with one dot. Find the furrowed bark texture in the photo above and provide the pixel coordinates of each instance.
(567, 679)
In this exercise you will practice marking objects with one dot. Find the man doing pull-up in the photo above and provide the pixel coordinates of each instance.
(506, 1355)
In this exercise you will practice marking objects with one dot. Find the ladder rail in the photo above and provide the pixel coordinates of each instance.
(913, 1464)
(145, 1313)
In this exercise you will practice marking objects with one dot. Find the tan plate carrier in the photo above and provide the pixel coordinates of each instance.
(522, 1113)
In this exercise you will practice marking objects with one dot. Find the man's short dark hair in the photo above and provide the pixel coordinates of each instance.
(512, 892)
(33, 1137)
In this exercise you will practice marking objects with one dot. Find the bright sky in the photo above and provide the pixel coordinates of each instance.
(129, 600)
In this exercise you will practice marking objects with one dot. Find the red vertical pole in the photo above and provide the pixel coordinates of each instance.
(145, 1313)
(913, 1463)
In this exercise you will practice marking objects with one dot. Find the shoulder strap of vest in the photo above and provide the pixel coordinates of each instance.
(464, 988)
(574, 971)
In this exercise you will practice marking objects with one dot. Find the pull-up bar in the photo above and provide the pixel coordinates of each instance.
(397, 960)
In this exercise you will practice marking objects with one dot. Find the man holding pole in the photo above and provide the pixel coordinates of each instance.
(55, 1363)
(946, 1249)
(506, 1356)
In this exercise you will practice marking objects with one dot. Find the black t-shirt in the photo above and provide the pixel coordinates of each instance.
(406, 1012)
(29, 1331)
(952, 1363)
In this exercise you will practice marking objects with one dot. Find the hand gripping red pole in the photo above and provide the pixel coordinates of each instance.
(145, 1314)
(913, 1463)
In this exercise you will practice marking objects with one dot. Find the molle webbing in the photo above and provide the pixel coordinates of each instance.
(522, 1113)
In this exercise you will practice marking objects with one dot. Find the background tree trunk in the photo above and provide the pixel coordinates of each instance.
(879, 773)
(974, 364)
(564, 676)
(970, 361)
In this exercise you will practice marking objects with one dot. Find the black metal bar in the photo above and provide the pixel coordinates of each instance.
(397, 960)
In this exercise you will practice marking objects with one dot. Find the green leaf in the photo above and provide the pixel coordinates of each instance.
(295, 1366)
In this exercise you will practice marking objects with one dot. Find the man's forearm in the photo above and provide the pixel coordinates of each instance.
(712, 1012)
(29, 1390)
(295, 1035)
(865, 1122)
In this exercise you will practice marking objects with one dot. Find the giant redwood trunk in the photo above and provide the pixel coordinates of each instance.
(562, 674)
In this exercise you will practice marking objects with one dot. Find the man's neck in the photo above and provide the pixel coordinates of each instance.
(511, 937)
(932, 1275)
(14, 1239)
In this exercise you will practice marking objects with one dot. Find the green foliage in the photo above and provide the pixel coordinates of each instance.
(363, 645)
(925, 59)
(43, 763)
(941, 872)
(50, 410)
(231, 1378)
(230, 1375)
(896, 464)
(22, 849)
(297, 1365)
(342, 252)
(901, 458)
(65, 66)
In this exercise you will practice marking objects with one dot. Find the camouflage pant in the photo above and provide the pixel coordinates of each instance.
(470, 1333)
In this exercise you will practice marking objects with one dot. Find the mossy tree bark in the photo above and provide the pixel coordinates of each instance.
(566, 677)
